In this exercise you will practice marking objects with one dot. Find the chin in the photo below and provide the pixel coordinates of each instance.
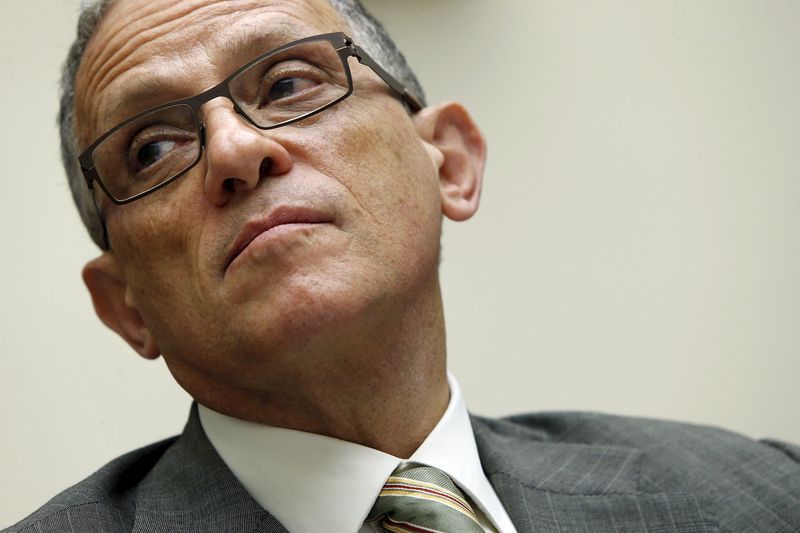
(305, 308)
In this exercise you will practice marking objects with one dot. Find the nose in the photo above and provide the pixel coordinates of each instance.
(239, 155)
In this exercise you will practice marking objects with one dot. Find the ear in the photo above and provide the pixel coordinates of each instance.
(105, 279)
(458, 149)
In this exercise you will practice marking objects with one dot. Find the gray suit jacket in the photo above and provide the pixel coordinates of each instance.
(556, 472)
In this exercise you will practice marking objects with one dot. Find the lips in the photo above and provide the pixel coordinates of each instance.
(277, 217)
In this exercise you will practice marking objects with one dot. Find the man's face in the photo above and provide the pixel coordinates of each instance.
(356, 187)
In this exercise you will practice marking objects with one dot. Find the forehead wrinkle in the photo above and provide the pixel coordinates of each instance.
(136, 39)
(145, 32)
(120, 52)
(137, 27)
(158, 82)
(101, 68)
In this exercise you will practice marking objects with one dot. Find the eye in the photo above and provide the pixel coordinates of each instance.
(158, 148)
(151, 153)
(288, 87)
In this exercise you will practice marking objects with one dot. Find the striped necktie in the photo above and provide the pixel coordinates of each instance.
(421, 500)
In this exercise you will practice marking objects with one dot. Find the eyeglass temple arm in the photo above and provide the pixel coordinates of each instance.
(413, 103)
(90, 176)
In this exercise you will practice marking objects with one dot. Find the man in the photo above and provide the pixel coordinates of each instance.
(269, 202)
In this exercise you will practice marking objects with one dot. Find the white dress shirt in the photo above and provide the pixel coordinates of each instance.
(310, 482)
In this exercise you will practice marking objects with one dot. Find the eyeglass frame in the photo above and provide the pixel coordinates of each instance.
(342, 44)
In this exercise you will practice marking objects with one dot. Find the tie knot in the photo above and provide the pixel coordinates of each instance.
(423, 499)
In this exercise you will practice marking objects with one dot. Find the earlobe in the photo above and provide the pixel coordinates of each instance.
(459, 151)
(109, 289)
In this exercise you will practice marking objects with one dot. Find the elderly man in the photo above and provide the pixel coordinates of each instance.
(268, 185)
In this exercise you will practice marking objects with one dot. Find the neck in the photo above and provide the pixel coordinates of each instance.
(385, 388)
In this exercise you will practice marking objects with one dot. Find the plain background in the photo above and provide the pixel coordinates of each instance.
(637, 250)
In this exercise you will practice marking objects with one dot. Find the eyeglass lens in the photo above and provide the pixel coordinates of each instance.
(160, 145)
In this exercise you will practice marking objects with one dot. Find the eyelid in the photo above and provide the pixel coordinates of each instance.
(280, 71)
(140, 140)
(147, 135)
(295, 67)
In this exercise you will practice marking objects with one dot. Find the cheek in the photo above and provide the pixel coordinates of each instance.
(390, 175)
(155, 245)
(384, 165)
(164, 226)
(401, 184)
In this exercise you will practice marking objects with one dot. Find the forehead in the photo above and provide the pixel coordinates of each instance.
(186, 46)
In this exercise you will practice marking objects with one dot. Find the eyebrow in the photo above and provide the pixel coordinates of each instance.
(241, 45)
(142, 93)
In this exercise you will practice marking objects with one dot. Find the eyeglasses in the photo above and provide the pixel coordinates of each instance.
(280, 87)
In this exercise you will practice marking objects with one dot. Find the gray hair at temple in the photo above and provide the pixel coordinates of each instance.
(365, 29)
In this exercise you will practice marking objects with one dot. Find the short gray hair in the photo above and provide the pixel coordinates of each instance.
(367, 31)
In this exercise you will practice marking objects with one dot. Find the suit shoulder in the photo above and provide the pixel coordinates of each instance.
(653, 436)
(104, 501)
(642, 433)
(736, 475)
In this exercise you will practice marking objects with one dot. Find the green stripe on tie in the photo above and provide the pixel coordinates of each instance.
(423, 499)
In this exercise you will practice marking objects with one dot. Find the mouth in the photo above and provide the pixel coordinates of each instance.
(283, 217)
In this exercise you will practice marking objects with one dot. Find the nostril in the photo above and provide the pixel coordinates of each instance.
(229, 184)
(264, 168)
(234, 184)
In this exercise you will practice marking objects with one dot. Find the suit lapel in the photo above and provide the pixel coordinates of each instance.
(191, 489)
(549, 486)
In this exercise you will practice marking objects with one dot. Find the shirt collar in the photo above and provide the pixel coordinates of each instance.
(289, 472)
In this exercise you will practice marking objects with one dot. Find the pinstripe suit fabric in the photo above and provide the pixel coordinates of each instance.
(555, 472)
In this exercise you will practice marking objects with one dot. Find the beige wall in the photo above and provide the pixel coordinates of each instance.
(637, 250)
